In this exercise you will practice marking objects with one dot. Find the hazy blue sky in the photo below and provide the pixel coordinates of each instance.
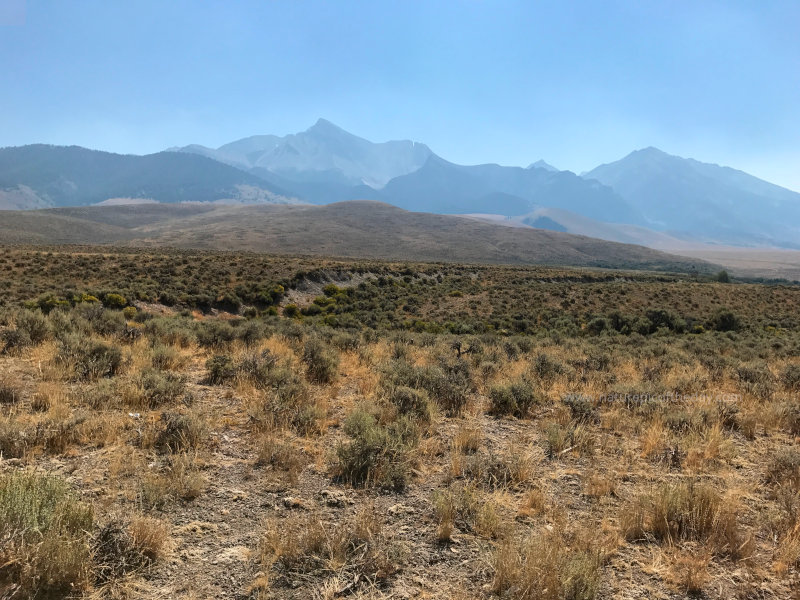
(575, 83)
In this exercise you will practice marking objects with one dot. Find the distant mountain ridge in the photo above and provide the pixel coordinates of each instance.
(706, 201)
(648, 196)
(327, 164)
(323, 148)
(39, 176)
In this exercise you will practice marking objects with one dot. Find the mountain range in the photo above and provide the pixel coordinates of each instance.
(648, 197)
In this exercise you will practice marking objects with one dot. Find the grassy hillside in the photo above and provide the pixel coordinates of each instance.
(347, 229)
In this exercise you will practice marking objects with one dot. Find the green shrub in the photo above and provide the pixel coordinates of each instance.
(321, 360)
(257, 368)
(724, 320)
(791, 416)
(376, 455)
(215, 334)
(288, 403)
(45, 551)
(109, 323)
(790, 377)
(448, 384)
(115, 301)
(597, 326)
(34, 324)
(515, 398)
(581, 407)
(164, 358)
(89, 359)
(220, 369)
(250, 333)
(545, 369)
(159, 388)
(331, 289)
(784, 468)
(411, 403)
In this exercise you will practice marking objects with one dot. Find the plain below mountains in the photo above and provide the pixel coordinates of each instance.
(358, 229)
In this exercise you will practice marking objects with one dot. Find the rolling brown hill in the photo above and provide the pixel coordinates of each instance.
(346, 229)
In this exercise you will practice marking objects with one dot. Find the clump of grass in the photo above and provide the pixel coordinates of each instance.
(116, 552)
(544, 567)
(14, 437)
(166, 358)
(533, 503)
(560, 439)
(467, 440)
(377, 454)
(9, 392)
(179, 478)
(689, 571)
(150, 536)
(306, 544)
(599, 485)
(180, 432)
(684, 512)
(465, 507)
(511, 468)
(280, 454)
(44, 528)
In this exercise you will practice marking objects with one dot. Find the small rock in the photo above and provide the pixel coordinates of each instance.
(400, 509)
(293, 502)
(335, 499)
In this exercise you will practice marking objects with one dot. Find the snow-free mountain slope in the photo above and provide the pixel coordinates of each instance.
(74, 176)
(704, 200)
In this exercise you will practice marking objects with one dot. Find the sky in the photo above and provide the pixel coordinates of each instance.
(575, 83)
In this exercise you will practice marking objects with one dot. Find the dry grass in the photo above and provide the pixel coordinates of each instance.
(380, 461)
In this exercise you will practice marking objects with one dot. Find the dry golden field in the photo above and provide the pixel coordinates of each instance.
(233, 425)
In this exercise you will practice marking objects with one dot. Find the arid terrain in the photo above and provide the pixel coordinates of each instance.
(199, 424)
